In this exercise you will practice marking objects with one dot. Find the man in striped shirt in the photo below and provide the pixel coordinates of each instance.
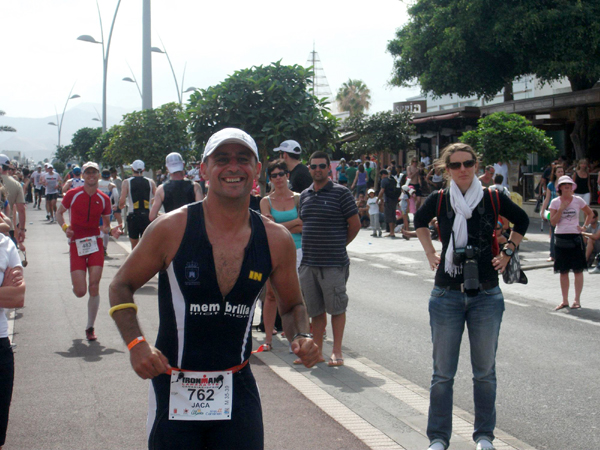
(329, 223)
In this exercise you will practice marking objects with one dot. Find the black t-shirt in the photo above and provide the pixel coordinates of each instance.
(300, 178)
(389, 188)
(481, 240)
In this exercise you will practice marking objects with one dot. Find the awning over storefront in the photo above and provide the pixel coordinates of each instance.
(432, 118)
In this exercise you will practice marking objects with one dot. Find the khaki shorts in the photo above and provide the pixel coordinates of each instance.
(324, 289)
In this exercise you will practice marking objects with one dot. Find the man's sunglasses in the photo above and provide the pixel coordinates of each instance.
(278, 174)
(456, 165)
(320, 166)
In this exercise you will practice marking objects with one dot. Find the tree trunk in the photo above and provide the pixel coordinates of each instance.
(508, 91)
(579, 136)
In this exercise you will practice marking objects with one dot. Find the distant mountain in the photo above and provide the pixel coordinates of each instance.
(35, 137)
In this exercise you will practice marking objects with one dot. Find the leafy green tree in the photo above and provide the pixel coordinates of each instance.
(508, 137)
(382, 132)
(149, 135)
(6, 127)
(98, 151)
(270, 103)
(477, 47)
(354, 96)
(81, 143)
(64, 153)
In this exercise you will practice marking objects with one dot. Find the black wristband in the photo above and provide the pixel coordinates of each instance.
(305, 335)
(511, 242)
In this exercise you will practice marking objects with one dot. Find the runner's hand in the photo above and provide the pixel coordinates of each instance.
(69, 233)
(117, 231)
(307, 351)
(147, 361)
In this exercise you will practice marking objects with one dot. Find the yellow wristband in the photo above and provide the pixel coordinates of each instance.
(64, 227)
(135, 342)
(122, 306)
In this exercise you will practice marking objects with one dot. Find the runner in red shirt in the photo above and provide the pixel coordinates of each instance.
(86, 205)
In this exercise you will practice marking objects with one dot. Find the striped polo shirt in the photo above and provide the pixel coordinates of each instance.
(325, 215)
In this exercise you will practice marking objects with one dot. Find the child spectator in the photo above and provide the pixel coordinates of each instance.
(373, 203)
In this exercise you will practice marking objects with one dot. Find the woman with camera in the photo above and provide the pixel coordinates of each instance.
(466, 289)
(569, 248)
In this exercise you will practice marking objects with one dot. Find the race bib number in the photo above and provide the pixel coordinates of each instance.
(86, 246)
(201, 395)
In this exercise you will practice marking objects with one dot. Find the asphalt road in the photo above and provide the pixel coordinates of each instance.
(548, 388)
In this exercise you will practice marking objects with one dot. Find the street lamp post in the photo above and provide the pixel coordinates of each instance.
(60, 121)
(179, 93)
(105, 51)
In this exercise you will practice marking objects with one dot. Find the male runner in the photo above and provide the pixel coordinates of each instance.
(86, 205)
(214, 258)
(110, 189)
(118, 182)
(51, 181)
(38, 188)
(137, 192)
(177, 191)
(75, 181)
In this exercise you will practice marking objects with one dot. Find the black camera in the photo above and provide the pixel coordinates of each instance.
(468, 256)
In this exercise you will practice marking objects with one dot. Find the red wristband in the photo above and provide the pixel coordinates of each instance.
(135, 342)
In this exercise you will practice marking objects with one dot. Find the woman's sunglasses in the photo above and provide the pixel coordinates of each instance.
(278, 174)
(320, 166)
(456, 165)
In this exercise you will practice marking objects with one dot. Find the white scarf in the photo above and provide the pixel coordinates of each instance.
(463, 206)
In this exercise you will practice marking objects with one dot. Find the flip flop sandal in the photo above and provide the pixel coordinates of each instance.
(561, 306)
(335, 362)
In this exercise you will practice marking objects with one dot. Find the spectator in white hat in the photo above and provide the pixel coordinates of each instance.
(300, 177)
(137, 192)
(177, 191)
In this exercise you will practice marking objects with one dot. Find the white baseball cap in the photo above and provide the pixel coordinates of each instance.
(49, 166)
(229, 136)
(289, 146)
(88, 165)
(174, 162)
(138, 165)
(5, 161)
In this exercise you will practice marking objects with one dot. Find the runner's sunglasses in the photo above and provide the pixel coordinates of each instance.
(456, 165)
(320, 166)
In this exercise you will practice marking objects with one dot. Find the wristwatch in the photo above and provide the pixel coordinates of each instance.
(507, 251)
(304, 335)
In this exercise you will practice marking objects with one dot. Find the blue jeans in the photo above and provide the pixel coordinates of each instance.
(449, 310)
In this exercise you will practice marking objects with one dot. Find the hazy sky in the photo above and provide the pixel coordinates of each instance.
(41, 58)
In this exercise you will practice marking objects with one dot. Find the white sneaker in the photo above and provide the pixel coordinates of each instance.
(484, 444)
(436, 446)
(595, 271)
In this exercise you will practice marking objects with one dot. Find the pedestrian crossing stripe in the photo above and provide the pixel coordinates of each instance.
(256, 276)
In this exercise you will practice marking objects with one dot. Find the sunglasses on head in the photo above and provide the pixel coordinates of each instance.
(320, 166)
(456, 165)
(278, 174)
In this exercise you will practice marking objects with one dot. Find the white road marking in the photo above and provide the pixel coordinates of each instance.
(380, 266)
(578, 319)
(512, 302)
(357, 259)
(408, 274)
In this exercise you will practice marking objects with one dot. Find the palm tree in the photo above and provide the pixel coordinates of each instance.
(354, 96)
(5, 127)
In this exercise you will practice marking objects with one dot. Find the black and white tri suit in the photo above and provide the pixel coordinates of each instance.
(200, 330)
